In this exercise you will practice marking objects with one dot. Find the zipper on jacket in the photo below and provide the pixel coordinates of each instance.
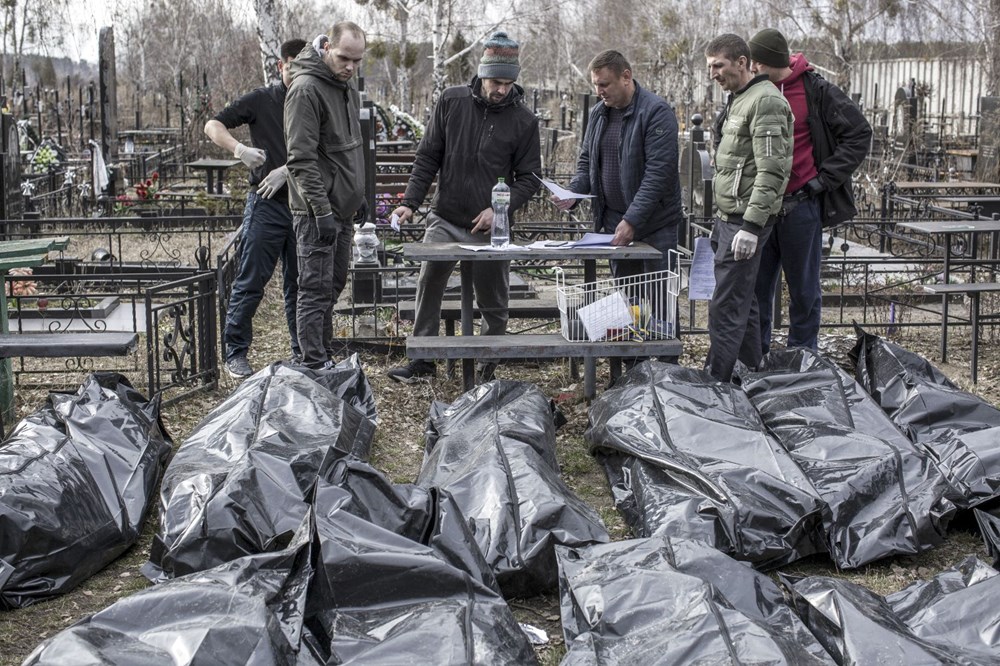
(736, 181)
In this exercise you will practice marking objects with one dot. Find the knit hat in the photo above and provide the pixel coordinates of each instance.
(768, 47)
(499, 59)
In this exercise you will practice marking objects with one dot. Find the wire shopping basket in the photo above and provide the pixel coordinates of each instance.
(638, 307)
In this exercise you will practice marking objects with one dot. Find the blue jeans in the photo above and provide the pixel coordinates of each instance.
(324, 263)
(795, 245)
(267, 237)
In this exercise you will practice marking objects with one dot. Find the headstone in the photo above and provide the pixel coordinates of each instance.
(988, 160)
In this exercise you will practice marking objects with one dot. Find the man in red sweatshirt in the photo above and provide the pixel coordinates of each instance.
(832, 138)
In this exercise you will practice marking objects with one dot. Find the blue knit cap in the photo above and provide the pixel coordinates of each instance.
(499, 59)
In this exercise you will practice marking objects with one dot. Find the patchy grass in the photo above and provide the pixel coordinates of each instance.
(398, 451)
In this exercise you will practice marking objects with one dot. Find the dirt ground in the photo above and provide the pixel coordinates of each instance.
(398, 450)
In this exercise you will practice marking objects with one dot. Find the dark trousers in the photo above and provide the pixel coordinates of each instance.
(795, 246)
(267, 237)
(323, 267)
(733, 314)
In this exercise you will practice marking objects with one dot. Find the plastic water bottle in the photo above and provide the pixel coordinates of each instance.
(500, 235)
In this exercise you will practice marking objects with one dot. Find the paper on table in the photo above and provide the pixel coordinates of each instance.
(701, 280)
(593, 239)
(612, 311)
(560, 191)
(481, 248)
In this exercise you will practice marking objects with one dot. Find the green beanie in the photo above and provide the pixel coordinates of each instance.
(768, 47)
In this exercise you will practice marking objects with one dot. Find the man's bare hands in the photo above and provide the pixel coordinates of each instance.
(624, 233)
(563, 204)
(403, 213)
(483, 222)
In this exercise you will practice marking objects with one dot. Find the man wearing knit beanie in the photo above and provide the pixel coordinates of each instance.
(831, 139)
(768, 47)
(500, 58)
(478, 133)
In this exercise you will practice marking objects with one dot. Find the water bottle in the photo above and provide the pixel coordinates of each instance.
(500, 235)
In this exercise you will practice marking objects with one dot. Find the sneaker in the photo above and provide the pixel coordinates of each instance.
(413, 372)
(238, 366)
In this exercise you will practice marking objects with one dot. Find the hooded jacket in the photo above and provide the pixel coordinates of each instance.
(469, 144)
(649, 172)
(753, 158)
(841, 139)
(323, 138)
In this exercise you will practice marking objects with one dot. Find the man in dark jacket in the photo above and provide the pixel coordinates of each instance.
(478, 133)
(628, 161)
(832, 139)
(326, 165)
(267, 222)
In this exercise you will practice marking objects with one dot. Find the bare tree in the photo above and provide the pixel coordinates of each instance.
(402, 53)
(267, 37)
(27, 24)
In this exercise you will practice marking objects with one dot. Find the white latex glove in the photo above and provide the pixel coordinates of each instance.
(252, 157)
(744, 245)
(273, 182)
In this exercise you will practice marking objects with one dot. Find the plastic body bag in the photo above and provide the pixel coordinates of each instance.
(242, 482)
(400, 581)
(960, 430)
(950, 619)
(77, 479)
(688, 456)
(248, 611)
(675, 601)
(885, 496)
(493, 450)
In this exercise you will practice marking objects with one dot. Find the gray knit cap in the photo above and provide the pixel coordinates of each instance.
(499, 59)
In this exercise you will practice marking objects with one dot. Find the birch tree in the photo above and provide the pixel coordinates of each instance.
(267, 38)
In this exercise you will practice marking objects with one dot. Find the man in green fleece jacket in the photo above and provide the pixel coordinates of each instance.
(753, 160)
(327, 184)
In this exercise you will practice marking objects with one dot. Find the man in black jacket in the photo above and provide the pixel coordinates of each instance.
(832, 138)
(267, 221)
(628, 161)
(478, 133)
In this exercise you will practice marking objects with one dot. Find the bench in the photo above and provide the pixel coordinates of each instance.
(534, 346)
(973, 290)
(517, 308)
(60, 345)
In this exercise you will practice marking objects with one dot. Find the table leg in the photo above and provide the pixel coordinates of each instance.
(468, 364)
(975, 335)
(589, 363)
(944, 299)
(6, 370)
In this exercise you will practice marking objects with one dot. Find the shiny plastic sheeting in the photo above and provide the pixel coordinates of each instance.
(248, 611)
(241, 483)
(675, 601)
(687, 456)
(493, 450)
(958, 429)
(77, 478)
(886, 497)
(989, 526)
(400, 580)
(950, 619)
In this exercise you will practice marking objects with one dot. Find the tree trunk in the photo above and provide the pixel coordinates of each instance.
(403, 71)
(438, 33)
(993, 49)
(267, 38)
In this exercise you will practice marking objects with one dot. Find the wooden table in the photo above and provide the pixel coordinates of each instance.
(949, 228)
(19, 254)
(987, 204)
(212, 168)
(588, 255)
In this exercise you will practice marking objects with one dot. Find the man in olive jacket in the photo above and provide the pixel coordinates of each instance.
(478, 133)
(753, 160)
(326, 165)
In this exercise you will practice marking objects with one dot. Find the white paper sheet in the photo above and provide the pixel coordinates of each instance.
(560, 191)
(701, 279)
(612, 311)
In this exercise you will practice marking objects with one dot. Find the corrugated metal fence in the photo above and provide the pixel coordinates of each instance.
(953, 87)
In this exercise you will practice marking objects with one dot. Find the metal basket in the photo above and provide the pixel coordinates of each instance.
(639, 307)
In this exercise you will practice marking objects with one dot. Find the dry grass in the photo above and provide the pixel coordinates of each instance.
(398, 451)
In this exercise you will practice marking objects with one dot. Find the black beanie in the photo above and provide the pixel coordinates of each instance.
(768, 47)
